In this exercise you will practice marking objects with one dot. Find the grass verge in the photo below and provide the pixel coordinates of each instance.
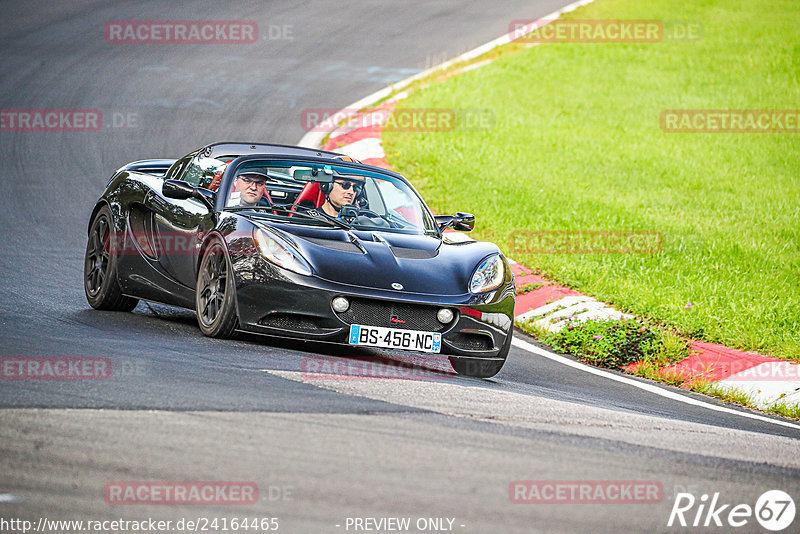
(651, 348)
(742, 398)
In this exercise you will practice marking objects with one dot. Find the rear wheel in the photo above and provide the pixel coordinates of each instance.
(214, 300)
(100, 267)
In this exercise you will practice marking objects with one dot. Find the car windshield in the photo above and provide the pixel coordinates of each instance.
(328, 195)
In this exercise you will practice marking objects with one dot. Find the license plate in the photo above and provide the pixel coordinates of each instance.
(394, 338)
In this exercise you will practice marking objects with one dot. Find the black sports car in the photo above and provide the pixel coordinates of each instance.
(302, 243)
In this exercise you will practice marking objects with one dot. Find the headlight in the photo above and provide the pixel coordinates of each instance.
(279, 253)
(488, 275)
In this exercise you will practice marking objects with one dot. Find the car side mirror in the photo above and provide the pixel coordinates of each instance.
(177, 189)
(462, 222)
(180, 190)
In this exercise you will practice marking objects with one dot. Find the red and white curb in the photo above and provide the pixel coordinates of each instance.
(552, 307)
(768, 381)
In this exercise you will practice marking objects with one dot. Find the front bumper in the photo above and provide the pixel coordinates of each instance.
(273, 301)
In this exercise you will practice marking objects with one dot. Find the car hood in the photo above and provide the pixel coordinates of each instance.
(420, 263)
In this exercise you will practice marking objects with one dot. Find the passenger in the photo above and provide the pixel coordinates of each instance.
(248, 190)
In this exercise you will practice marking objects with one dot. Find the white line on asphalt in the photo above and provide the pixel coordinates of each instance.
(524, 345)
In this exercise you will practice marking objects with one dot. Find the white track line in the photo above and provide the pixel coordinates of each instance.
(650, 388)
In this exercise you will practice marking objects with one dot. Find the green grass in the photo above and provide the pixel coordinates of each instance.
(786, 410)
(527, 288)
(614, 344)
(608, 343)
(576, 145)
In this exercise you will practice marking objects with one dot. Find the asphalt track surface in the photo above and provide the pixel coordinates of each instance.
(189, 408)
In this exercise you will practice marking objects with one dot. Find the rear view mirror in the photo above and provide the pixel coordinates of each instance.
(324, 175)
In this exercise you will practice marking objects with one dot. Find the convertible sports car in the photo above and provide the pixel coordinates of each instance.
(248, 236)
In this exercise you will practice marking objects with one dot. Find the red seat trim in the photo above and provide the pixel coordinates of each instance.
(311, 192)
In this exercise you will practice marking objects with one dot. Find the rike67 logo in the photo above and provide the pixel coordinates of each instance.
(774, 510)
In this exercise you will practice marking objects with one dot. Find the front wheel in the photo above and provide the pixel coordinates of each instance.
(100, 267)
(214, 298)
(476, 367)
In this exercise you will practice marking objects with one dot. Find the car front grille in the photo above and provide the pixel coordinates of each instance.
(380, 313)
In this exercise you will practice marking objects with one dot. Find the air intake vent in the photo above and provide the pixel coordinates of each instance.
(344, 246)
(290, 321)
(471, 341)
(414, 253)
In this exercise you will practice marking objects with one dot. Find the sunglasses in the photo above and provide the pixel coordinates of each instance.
(249, 181)
(347, 185)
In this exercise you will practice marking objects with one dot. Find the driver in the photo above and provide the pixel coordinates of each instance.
(248, 189)
(341, 192)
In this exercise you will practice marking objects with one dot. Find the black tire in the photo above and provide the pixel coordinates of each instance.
(100, 266)
(214, 298)
(480, 368)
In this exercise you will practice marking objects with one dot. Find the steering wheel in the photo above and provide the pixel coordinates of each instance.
(372, 215)
(368, 213)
